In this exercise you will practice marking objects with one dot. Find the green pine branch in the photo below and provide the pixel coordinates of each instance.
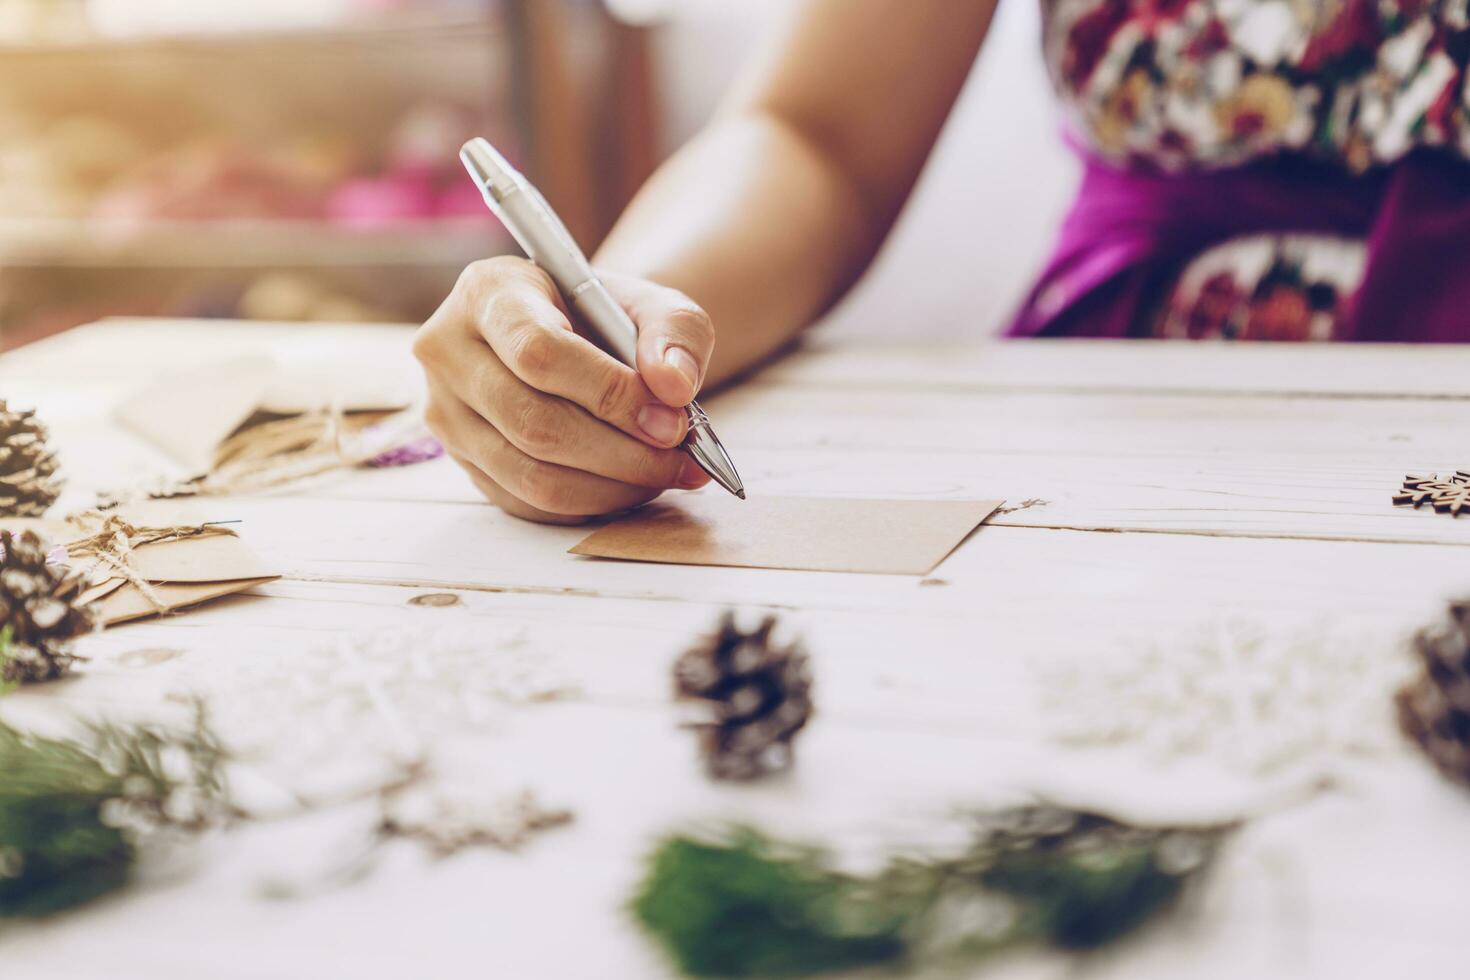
(741, 904)
(72, 811)
(6, 686)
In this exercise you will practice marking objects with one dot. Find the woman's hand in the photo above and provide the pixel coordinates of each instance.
(548, 426)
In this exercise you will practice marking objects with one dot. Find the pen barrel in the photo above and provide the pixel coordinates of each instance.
(608, 319)
(546, 241)
(538, 231)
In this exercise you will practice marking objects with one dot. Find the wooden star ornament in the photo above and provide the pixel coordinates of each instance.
(1447, 495)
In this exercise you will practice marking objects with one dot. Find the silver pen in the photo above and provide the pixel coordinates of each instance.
(546, 241)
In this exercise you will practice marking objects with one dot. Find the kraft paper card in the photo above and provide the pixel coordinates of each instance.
(894, 537)
(190, 413)
(180, 573)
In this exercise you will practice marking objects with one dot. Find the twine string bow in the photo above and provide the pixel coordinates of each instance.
(111, 548)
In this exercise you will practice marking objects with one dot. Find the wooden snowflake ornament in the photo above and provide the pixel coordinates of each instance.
(1447, 495)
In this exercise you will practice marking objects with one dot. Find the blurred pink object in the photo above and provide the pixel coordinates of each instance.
(208, 182)
(461, 199)
(372, 202)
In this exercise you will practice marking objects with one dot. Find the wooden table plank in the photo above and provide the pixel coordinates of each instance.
(112, 347)
(1291, 909)
(582, 753)
(1002, 568)
(1089, 425)
(1244, 455)
(967, 670)
(1199, 446)
(1264, 466)
(1234, 494)
(1232, 491)
(1355, 371)
(912, 736)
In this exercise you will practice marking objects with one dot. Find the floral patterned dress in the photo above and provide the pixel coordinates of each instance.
(1262, 169)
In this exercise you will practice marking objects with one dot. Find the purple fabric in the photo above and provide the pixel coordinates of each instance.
(1130, 231)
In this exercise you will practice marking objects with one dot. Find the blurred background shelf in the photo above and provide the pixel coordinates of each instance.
(169, 156)
(63, 26)
(245, 244)
(396, 29)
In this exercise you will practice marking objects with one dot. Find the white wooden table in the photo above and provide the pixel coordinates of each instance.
(1181, 484)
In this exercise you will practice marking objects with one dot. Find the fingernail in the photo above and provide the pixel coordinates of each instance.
(662, 423)
(692, 476)
(682, 361)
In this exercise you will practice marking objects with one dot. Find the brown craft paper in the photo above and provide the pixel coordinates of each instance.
(182, 573)
(896, 537)
(127, 603)
(188, 415)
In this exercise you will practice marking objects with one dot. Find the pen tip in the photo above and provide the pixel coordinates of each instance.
(740, 494)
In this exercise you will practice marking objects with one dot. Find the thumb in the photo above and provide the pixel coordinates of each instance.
(675, 339)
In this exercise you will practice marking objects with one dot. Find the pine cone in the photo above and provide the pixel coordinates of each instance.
(38, 606)
(1434, 708)
(759, 696)
(28, 481)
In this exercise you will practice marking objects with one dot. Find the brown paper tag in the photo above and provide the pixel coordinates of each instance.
(840, 534)
(212, 559)
(128, 603)
(181, 573)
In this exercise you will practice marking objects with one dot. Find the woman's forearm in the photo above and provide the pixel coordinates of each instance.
(758, 225)
(770, 215)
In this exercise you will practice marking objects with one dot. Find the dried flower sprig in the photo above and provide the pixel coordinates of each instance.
(741, 904)
(415, 805)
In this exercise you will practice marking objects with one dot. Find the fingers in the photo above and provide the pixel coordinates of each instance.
(675, 338)
(549, 427)
(554, 430)
(509, 504)
(522, 484)
(525, 325)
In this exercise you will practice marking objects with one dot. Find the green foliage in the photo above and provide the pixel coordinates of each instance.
(58, 853)
(5, 688)
(71, 811)
(1081, 901)
(740, 909)
(744, 905)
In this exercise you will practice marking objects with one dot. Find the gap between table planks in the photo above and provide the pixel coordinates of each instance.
(1356, 371)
